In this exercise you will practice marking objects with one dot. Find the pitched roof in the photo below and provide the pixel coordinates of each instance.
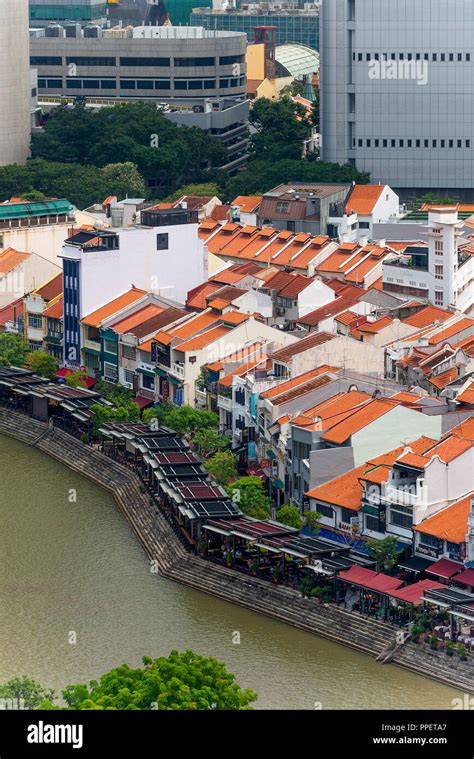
(300, 379)
(52, 288)
(245, 353)
(441, 380)
(247, 203)
(464, 429)
(10, 259)
(201, 341)
(190, 327)
(359, 419)
(427, 316)
(331, 411)
(56, 308)
(364, 198)
(450, 523)
(197, 296)
(95, 318)
(345, 490)
(467, 395)
(453, 329)
(11, 311)
(124, 325)
(334, 307)
(305, 343)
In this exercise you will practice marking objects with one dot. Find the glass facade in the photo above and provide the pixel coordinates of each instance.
(66, 12)
(298, 28)
(180, 10)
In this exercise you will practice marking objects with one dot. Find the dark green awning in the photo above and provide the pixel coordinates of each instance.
(146, 372)
(160, 372)
(278, 484)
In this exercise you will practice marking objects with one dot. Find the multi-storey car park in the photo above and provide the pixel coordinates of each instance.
(397, 96)
(197, 76)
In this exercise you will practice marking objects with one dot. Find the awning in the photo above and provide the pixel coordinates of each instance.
(367, 578)
(146, 372)
(142, 402)
(175, 381)
(64, 372)
(414, 564)
(161, 372)
(256, 471)
(445, 568)
(271, 455)
(278, 484)
(465, 578)
(413, 594)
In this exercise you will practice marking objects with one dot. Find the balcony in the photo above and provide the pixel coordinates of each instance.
(54, 337)
(201, 397)
(177, 369)
(224, 403)
(92, 345)
(403, 497)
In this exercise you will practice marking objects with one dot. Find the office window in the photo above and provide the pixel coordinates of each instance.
(162, 84)
(81, 60)
(468, 143)
(435, 57)
(369, 143)
(162, 241)
(152, 62)
(442, 56)
(443, 143)
(393, 143)
(384, 143)
(451, 143)
(459, 56)
(45, 60)
(360, 143)
(145, 84)
(409, 143)
(435, 144)
(227, 60)
(468, 57)
(438, 297)
(401, 143)
(376, 143)
(426, 143)
(193, 62)
(93, 84)
(439, 247)
(108, 84)
(451, 56)
(35, 321)
(359, 56)
(128, 84)
(74, 83)
(438, 271)
(459, 143)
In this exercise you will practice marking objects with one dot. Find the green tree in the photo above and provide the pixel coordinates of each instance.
(312, 519)
(119, 395)
(42, 363)
(24, 688)
(383, 552)
(77, 379)
(180, 681)
(127, 175)
(127, 412)
(222, 467)
(290, 514)
(296, 87)
(208, 441)
(248, 493)
(187, 420)
(13, 349)
(280, 126)
(209, 189)
(261, 175)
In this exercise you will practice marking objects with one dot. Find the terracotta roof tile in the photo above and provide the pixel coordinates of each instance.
(467, 395)
(300, 379)
(441, 380)
(10, 259)
(201, 341)
(364, 198)
(247, 203)
(95, 318)
(450, 523)
(427, 316)
(345, 490)
(56, 308)
(52, 288)
(361, 417)
(197, 296)
(122, 326)
(305, 343)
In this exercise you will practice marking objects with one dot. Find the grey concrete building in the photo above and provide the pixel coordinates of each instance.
(397, 93)
(197, 76)
(15, 82)
(301, 207)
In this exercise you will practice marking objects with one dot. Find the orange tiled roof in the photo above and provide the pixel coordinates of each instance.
(450, 447)
(427, 316)
(331, 411)
(198, 295)
(364, 198)
(345, 490)
(450, 523)
(218, 304)
(95, 318)
(313, 340)
(122, 326)
(234, 317)
(375, 326)
(361, 417)
(300, 379)
(448, 332)
(405, 397)
(245, 353)
(414, 459)
(467, 395)
(52, 288)
(464, 429)
(10, 259)
(441, 380)
(226, 277)
(347, 317)
(247, 203)
(239, 372)
(56, 308)
(201, 341)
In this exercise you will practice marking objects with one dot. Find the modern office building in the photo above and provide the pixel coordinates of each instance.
(197, 76)
(295, 22)
(397, 97)
(42, 12)
(15, 82)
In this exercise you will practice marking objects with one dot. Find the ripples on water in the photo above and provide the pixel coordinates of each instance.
(77, 567)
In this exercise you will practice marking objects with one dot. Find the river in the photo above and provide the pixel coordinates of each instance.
(72, 566)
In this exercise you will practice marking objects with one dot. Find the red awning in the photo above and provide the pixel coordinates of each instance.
(465, 578)
(367, 578)
(444, 568)
(256, 471)
(142, 402)
(412, 594)
(64, 372)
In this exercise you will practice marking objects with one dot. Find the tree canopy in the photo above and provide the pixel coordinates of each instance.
(290, 514)
(384, 552)
(222, 467)
(280, 128)
(12, 349)
(136, 133)
(27, 693)
(42, 363)
(249, 495)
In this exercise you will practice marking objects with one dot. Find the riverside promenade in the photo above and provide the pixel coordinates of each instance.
(170, 558)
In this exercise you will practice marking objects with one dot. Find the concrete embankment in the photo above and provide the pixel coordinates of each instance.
(168, 556)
